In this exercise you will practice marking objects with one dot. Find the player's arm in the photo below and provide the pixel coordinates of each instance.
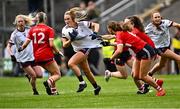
(177, 25)
(51, 44)
(108, 36)
(94, 27)
(66, 42)
(25, 44)
(9, 45)
(118, 51)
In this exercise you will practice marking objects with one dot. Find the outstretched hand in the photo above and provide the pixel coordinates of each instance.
(94, 35)
(105, 43)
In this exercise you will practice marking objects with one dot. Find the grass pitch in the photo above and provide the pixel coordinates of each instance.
(16, 93)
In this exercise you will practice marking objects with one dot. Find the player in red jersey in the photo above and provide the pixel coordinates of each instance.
(124, 58)
(144, 55)
(135, 25)
(42, 37)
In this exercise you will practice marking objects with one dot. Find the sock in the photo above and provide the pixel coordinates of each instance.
(94, 85)
(150, 74)
(141, 88)
(80, 78)
(34, 90)
(51, 82)
(159, 88)
(82, 82)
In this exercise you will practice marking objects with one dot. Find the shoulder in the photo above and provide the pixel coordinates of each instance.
(14, 32)
(65, 28)
(149, 27)
(84, 23)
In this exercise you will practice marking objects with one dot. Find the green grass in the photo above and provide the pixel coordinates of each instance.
(16, 93)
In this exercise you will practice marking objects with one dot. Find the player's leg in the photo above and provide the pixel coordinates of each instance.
(136, 77)
(144, 68)
(29, 70)
(85, 67)
(38, 71)
(170, 54)
(73, 64)
(158, 66)
(53, 68)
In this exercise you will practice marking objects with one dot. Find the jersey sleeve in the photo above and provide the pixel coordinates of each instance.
(12, 39)
(87, 24)
(63, 33)
(29, 34)
(168, 23)
(119, 39)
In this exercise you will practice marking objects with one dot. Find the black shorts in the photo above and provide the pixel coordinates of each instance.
(85, 50)
(160, 51)
(28, 63)
(123, 58)
(146, 53)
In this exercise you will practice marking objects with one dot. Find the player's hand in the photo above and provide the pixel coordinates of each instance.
(20, 49)
(94, 35)
(105, 43)
(13, 58)
(73, 34)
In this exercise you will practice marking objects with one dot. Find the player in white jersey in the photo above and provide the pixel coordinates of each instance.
(158, 31)
(26, 57)
(83, 39)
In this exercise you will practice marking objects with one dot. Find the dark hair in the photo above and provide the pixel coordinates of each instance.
(114, 26)
(137, 22)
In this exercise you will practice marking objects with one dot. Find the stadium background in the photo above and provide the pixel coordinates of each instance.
(108, 10)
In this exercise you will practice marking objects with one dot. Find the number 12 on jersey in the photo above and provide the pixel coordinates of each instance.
(39, 38)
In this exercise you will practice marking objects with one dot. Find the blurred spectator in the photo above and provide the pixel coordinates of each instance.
(93, 13)
(6, 53)
(176, 46)
(82, 5)
(90, 6)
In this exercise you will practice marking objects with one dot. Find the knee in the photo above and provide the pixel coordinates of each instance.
(71, 65)
(33, 76)
(39, 75)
